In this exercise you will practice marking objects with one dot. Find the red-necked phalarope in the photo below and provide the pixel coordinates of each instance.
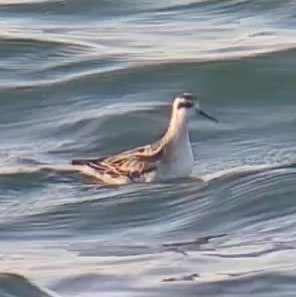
(167, 158)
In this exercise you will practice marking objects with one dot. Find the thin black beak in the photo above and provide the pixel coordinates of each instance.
(208, 116)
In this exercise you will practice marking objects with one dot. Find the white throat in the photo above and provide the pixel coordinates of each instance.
(178, 130)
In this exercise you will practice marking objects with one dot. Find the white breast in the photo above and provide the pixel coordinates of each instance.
(180, 162)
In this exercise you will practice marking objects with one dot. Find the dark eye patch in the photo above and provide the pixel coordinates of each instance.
(186, 104)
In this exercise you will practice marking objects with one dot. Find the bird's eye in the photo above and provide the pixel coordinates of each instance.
(186, 104)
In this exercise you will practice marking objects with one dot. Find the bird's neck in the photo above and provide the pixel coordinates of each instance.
(177, 130)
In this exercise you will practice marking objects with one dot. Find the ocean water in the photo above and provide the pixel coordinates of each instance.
(89, 78)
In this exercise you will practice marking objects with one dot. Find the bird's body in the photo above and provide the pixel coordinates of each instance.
(167, 158)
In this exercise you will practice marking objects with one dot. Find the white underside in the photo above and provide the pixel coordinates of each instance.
(180, 164)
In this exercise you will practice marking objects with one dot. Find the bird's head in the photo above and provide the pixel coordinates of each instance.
(188, 105)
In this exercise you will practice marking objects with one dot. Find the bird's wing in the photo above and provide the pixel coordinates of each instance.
(132, 163)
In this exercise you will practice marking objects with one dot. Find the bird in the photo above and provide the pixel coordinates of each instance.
(169, 157)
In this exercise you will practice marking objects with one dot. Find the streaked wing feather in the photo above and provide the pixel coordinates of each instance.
(131, 163)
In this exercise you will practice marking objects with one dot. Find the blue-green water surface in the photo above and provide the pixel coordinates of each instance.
(91, 78)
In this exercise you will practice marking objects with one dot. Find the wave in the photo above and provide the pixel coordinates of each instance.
(229, 173)
(172, 213)
(41, 169)
(115, 70)
(60, 52)
(243, 283)
(15, 285)
(245, 170)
